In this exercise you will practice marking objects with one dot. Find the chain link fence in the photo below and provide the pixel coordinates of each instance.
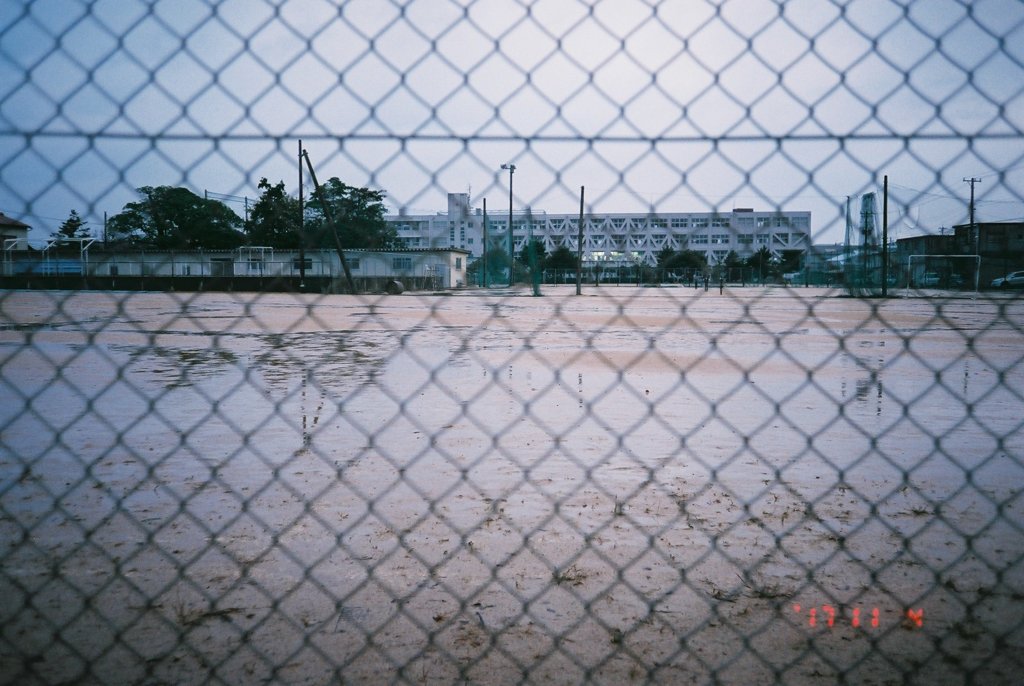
(674, 485)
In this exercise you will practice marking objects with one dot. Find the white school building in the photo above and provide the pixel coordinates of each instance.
(614, 239)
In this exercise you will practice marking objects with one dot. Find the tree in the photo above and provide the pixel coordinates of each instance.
(533, 254)
(683, 259)
(733, 265)
(763, 264)
(274, 218)
(359, 214)
(496, 260)
(169, 217)
(664, 256)
(73, 227)
(790, 261)
(561, 258)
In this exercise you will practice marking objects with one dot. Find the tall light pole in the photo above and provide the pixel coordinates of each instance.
(511, 258)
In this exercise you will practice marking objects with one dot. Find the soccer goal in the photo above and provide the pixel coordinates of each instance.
(941, 272)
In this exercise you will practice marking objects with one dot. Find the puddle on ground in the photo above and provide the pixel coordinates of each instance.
(443, 477)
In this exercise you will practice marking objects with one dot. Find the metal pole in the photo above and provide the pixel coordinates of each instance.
(977, 235)
(532, 249)
(511, 244)
(885, 236)
(846, 248)
(511, 237)
(330, 220)
(484, 256)
(579, 248)
(302, 226)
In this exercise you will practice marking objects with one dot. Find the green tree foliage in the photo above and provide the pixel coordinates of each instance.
(732, 266)
(168, 217)
(274, 219)
(562, 258)
(73, 227)
(681, 260)
(533, 254)
(496, 260)
(790, 261)
(732, 260)
(663, 257)
(762, 264)
(359, 214)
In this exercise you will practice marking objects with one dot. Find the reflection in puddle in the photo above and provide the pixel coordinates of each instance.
(334, 361)
(308, 424)
(866, 388)
(180, 367)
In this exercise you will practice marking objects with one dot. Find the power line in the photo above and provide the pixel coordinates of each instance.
(1002, 171)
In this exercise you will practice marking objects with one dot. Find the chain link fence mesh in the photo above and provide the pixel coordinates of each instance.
(632, 485)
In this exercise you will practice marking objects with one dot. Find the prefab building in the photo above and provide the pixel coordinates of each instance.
(254, 268)
(13, 233)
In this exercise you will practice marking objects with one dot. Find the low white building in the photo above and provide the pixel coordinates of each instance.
(610, 238)
(439, 268)
(13, 233)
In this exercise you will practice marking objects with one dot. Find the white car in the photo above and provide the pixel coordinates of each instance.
(1011, 280)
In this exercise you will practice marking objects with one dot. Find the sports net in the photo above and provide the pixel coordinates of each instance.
(736, 485)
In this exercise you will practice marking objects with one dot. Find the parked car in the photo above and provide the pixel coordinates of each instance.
(1011, 280)
(928, 280)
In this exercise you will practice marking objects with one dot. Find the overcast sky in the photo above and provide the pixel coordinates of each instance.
(653, 106)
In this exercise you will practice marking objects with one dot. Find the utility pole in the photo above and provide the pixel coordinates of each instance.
(976, 234)
(970, 208)
(329, 215)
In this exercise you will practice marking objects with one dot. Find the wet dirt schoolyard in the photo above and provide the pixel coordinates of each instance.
(632, 485)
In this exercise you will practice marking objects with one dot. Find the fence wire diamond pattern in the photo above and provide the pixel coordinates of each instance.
(674, 485)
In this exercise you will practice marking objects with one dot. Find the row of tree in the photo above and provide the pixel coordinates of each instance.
(534, 257)
(762, 264)
(175, 218)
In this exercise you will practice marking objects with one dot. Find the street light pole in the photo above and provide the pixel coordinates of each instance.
(511, 247)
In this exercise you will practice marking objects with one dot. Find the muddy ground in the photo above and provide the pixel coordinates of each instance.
(633, 485)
